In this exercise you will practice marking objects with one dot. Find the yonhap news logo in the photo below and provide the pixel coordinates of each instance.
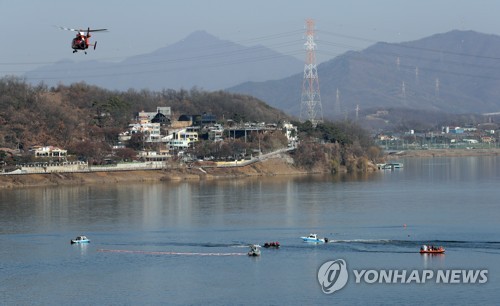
(333, 276)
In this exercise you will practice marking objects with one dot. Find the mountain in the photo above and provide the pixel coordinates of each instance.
(453, 72)
(200, 60)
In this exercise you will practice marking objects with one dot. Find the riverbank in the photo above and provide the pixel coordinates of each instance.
(279, 165)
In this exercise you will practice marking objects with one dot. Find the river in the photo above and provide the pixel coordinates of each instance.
(180, 243)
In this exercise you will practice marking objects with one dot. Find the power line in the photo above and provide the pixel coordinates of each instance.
(231, 57)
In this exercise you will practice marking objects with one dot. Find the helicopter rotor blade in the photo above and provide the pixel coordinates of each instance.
(80, 30)
(68, 29)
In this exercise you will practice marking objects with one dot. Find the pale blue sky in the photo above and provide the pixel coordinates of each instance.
(29, 38)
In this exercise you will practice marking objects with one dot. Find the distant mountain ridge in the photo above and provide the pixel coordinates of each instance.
(200, 60)
(453, 72)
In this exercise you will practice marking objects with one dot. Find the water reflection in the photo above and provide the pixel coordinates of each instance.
(83, 248)
(286, 201)
(471, 168)
(442, 201)
(431, 261)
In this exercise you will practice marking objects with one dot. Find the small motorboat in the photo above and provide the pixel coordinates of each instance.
(272, 244)
(254, 250)
(431, 250)
(80, 239)
(314, 238)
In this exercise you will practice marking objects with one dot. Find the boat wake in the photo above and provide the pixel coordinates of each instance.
(408, 246)
(183, 244)
(356, 245)
(170, 253)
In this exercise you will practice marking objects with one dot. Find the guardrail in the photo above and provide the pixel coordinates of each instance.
(80, 167)
(84, 167)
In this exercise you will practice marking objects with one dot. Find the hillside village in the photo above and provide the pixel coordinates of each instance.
(83, 123)
(159, 137)
(167, 137)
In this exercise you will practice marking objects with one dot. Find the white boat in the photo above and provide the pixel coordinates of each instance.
(254, 250)
(390, 166)
(314, 238)
(80, 239)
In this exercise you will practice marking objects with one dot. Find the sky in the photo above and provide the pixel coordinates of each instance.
(30, 37)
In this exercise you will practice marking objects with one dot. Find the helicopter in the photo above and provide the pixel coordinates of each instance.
(81, 41)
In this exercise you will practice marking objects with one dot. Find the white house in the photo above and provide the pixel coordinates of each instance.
(49, 151)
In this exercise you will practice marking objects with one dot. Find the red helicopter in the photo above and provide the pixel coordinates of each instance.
(81, 41)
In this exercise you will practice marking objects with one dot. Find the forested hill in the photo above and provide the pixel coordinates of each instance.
(69, 115)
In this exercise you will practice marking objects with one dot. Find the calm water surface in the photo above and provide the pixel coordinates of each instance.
(143, 234)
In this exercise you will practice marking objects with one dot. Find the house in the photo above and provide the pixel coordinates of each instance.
(190, 133)
(161, 119)
(177, 145)
(151, 132)
(147, 117)
(216, 133)
(180, 139)
(207, 119)
(49, 151)
(291, 133)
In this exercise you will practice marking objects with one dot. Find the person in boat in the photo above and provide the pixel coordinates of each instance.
(271, 244)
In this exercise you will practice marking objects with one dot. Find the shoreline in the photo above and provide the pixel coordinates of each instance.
(275, 166)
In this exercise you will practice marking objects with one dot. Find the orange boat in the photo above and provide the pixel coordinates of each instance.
(431, 250)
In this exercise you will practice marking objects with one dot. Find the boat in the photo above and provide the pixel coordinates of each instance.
(314, 238)
(80, 239)
(431, 250)
(390, 166)
(272, 244)
(254, 250)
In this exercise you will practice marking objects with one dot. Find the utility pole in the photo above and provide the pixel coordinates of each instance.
(310, 105)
